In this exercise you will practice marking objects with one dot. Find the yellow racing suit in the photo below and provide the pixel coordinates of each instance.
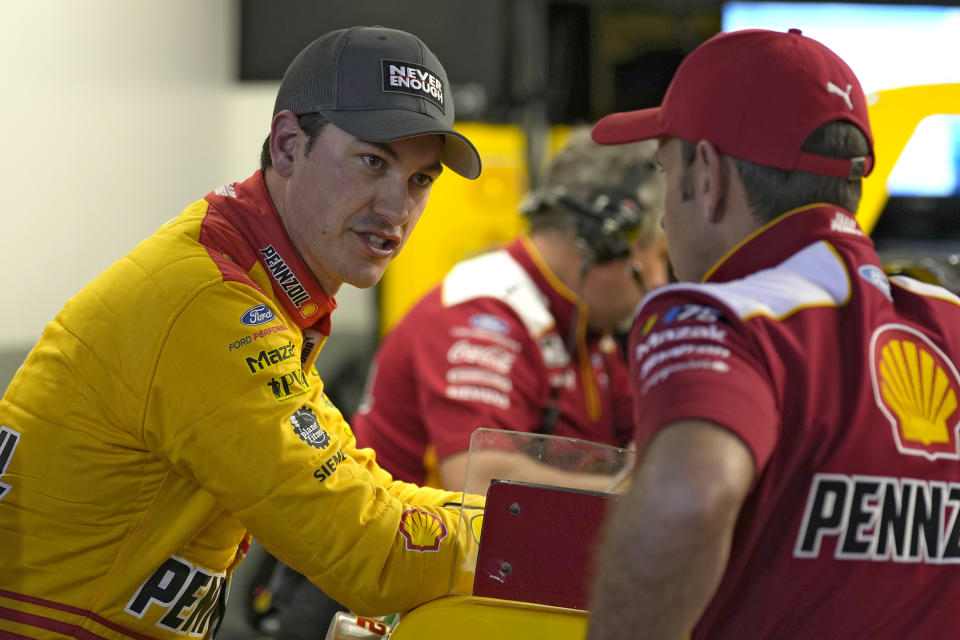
(170, 411)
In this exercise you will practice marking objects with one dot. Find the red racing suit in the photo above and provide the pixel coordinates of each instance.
(487, 348)
(844, 386)
(172, 409)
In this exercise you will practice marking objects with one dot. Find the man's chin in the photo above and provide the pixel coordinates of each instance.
(366, 279)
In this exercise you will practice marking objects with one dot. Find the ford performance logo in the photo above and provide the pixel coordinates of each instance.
(257, 315)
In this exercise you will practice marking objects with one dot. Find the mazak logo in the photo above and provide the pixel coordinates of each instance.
(412, 79)
(269, 358)
(188, 595)
(423, 531)
(260, 314)
(916, 387)
(690, 332)
(285, 278)
(307, 427)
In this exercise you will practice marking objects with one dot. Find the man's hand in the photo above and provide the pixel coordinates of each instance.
(668, 542)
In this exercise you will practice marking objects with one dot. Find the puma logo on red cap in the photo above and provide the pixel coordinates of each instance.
(832, 88)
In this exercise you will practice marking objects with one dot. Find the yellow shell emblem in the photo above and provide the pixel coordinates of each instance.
(308, 310)
(917, 388)
(423, 531)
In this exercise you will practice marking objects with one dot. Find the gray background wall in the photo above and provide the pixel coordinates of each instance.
(116, 115)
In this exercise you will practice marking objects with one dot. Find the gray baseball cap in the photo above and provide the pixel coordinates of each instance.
(379, 85)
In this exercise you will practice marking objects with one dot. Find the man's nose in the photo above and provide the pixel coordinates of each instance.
(392, 201)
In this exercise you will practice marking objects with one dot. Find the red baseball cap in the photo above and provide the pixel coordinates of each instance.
(756, 95)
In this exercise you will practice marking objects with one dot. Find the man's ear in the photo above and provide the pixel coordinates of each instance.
(284, 132)
(713, 183)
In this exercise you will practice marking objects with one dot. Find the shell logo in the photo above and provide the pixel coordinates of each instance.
(308, 310)
(423, 531)
(916, 387)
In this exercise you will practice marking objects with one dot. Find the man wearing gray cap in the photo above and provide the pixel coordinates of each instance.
(172, 408)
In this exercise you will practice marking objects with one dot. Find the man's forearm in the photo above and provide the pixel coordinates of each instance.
(656, 575)
(668, 543)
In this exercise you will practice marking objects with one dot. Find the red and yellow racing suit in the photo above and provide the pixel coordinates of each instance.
(170, 411)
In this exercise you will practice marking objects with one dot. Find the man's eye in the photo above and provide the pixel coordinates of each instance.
(372, 161)
(422, 180)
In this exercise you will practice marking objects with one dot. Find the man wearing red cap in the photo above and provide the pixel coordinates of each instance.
(797, 410)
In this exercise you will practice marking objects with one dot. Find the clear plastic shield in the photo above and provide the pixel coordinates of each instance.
(570, 472)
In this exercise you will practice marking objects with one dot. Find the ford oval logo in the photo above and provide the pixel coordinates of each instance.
(257, 315)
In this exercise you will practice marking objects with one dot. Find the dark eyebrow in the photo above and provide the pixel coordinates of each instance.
(387, 149)
(435, 167)
(383, 146)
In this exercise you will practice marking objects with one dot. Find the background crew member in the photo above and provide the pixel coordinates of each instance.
(520, 338)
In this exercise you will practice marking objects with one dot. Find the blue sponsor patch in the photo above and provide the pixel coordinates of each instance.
(697, 312)
(259, 314)
(875, 276)
(489, 322)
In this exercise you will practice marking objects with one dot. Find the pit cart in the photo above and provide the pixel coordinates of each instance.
(527, 570)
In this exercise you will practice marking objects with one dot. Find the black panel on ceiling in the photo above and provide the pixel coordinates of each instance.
(464, 34)
(568, 71)
(641, 82)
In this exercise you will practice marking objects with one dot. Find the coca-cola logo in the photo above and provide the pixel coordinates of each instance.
(259, 314)
(495, 358)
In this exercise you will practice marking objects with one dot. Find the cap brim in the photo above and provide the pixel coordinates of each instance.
(386, 125)
(628, 126)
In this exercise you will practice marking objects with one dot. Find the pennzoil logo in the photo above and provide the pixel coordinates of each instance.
(188, 597)
(916, 387)
(291, 286)
(423, 531)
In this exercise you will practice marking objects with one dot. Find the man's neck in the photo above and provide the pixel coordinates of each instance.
(560, 253)
(274, 184)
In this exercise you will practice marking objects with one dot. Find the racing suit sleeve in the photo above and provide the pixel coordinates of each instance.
(404, 491)
(689, 359)
(232, 410)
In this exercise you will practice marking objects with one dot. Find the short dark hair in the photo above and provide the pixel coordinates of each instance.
(772, 192)
(311, 124)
